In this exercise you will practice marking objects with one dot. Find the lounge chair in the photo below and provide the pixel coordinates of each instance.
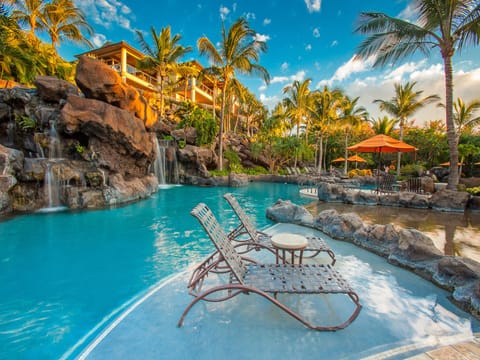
(266, 280)
(315, 245)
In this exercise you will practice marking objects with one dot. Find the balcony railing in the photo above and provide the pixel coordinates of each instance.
(132, 71)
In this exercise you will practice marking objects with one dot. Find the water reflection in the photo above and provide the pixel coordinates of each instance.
(453, 233)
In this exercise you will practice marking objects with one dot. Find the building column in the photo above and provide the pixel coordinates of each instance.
(123, 65)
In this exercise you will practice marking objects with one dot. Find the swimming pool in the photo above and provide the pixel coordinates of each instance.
(66, 276)
(62, 273)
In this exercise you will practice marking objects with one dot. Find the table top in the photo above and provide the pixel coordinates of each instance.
(289, 241)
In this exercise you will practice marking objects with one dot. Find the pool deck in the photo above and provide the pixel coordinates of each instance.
(469, 350)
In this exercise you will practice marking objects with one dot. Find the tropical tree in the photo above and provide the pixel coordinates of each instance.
(447, 25)
(239, 51)
(30, 14)
(161, 58)
(403, 105)
(352, 117)
(64, 21)
(465, 116)
(326, 108)
(298, 103)
(383, 125)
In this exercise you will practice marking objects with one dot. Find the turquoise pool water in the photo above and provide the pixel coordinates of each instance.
(62, 274)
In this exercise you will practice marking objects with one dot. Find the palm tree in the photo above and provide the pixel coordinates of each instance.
(299, 103)
(326, 108)
(239, 51)
(64, 21)
(383, 125)
(352, 117)
(464, 116)
(163, 57)
(448, 25)
(30, 13)
(403, 105)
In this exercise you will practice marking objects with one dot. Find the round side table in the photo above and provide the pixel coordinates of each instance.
(288, 243)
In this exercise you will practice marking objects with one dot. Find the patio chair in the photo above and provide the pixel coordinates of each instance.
(267, 280)
(414, 185)
(385, 183)
(315, 245)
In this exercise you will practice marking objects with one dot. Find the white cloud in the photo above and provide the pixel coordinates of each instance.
(404, 69)
(316, 33)
(284, 67)
(308, 47)
(313, 5)
(284, 79)
(260, 37)
(279, 79)
(267, 21)
(98, 40)
(269, 101)
(224, 11)
(352, 66)
(262, 87)
(107, 12)
(299, 75)
(249, 16)
(409, 13)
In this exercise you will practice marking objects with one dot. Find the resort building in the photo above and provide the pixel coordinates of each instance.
(124, 59)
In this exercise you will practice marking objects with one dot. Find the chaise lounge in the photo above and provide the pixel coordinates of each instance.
(246, 276)
(315, 245)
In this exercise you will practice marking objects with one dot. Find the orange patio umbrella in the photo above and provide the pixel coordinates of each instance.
(382, 144)
(448, 164)
(356, 158)
(340, 159)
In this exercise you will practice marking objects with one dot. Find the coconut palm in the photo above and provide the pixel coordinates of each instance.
(448, 25)
(383, 125)
(352, 116)
(298, 102)
(465, 116)
(64, 21)
(161, 58)
(403, 105)
(326, 108)
(239, 52)
(29, 13)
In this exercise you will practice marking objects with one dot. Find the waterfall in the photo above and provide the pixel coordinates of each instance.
(52, 187)
(54, 150)
(159, 164)
(165, 166)
(52, 184)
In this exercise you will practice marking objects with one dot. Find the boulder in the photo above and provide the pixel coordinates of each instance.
(449, 200)
(189, 135)
(53, 89)
(416, 251)
(428, 185)
(122, 191)
(197, 160)
(456, 271)
(331, 192)
(413, 200)
(381, 239)
(118, 140)
(286, 211)
(361, 198)
(11, 161)
(99, 81)
(343, 226)
(237, 180)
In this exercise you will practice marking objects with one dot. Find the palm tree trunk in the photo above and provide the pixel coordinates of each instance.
(220, 133)
(320, 154)
(453, 176)
(399, 154)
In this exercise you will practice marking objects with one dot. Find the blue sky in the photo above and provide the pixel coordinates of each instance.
(305, 38)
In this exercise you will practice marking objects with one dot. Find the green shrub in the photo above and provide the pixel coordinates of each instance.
(411, 170)
(257, 170)
(234, 162)
(26, 123)
(474, 191)
(218, 172)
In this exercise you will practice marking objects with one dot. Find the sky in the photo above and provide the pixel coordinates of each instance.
(305, 38)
